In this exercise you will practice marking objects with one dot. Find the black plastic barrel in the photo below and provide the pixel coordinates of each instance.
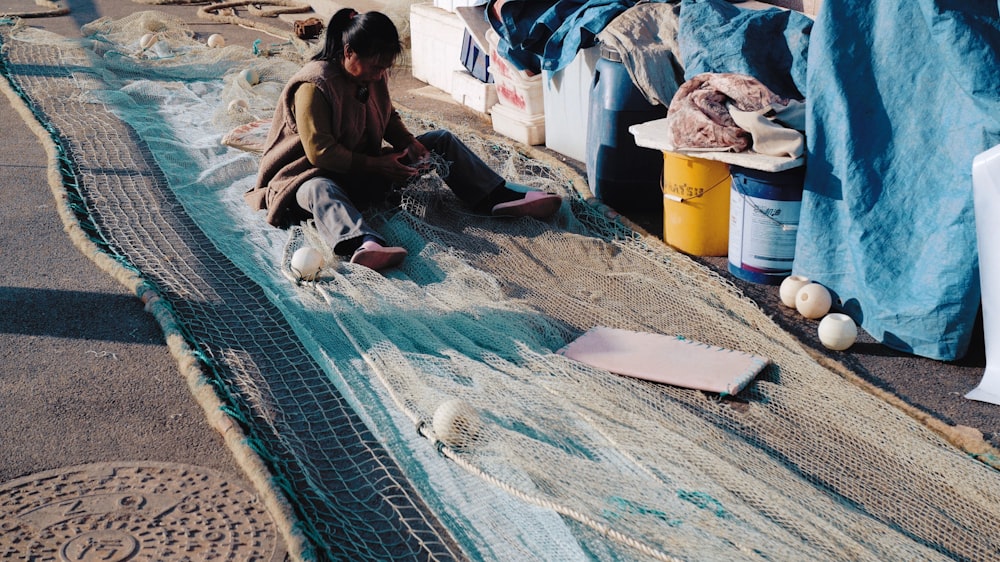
(621, 174)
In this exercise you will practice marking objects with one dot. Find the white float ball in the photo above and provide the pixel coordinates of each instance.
(456, 423)
(250, 76)
(813, 301)
(238, 105)
(790, 287)
(837, 331)
(148, 40)
(216, 41)
(306, 263)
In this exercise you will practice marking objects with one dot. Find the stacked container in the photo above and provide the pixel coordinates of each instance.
(520, 113)
(473, 86)
(435, 45)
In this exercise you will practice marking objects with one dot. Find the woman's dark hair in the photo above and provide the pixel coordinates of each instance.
(370, 35)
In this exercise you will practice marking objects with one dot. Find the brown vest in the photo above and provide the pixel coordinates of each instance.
(284, 165)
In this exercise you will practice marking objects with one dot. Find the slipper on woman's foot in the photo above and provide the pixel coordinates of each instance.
(534, 204)
(378, 257)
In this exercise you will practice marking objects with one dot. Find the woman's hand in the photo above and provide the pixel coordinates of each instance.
(391, 165)
(418, 155)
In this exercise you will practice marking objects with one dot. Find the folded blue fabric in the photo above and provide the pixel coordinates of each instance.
(521, 42)
(538, 35)
(901, 97)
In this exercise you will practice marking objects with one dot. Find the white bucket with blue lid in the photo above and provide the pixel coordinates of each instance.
(763, 223)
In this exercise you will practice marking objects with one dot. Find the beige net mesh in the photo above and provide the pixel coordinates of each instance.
(802, 464)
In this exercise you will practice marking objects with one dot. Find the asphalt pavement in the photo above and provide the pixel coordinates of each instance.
(87, 382)
(85, 374)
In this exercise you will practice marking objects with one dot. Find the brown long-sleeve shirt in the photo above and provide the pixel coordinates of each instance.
(324, 130)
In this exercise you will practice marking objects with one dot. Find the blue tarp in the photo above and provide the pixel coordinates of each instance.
(771, 44)
(901, 97)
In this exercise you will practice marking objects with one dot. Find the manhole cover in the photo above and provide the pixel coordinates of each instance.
(146, 511)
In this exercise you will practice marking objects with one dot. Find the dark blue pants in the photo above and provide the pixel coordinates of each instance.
(340, 222)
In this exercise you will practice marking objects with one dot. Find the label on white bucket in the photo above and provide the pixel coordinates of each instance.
(762, 232)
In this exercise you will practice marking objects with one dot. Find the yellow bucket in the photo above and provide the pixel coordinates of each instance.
(695, 205)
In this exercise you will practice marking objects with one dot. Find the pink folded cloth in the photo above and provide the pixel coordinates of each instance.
(534, 204)
(375, 256)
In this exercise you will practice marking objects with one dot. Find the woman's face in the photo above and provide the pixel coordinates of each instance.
(365, 69)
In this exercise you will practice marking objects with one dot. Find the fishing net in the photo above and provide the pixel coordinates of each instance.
(426, 413)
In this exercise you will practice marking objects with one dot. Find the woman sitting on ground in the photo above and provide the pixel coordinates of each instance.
(324, 156)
